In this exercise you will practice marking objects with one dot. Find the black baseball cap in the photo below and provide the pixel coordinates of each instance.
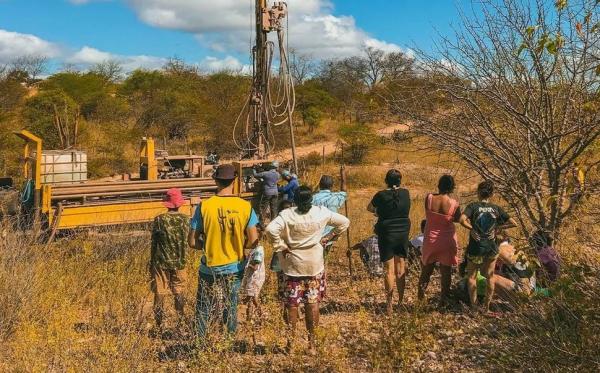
(225, 172)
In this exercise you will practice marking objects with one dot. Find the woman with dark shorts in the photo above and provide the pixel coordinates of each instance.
(392, 207)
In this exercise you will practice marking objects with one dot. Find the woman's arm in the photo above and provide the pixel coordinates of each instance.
(464, 221)
(273, 231)
(339, 223)
(457, 214)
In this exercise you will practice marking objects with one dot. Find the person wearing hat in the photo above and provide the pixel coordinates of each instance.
(224, 227)
(167, 256)
(292, 185)
(269, 198)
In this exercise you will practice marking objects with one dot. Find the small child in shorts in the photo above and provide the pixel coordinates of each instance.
(369, 254)
(252, 283)
(416, 244)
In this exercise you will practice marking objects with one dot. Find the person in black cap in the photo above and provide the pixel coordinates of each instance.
(226, 225)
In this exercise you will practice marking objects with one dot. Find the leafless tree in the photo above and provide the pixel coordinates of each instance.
(302, 66)
(110, 70)
(374, 61)
(33, 65)
(515, 93)
(397, 66)
(68, 67)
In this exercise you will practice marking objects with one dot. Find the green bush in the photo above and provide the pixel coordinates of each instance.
(359, 139)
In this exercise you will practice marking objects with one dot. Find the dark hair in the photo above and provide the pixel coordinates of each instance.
(423, 224)
(285, 204)
(326, 182)
(393, 178)
(485, 189)
(446, 184)
(224, 183)
(541, 239)
(303, 199)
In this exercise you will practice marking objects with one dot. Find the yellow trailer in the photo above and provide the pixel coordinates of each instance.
(89, 204)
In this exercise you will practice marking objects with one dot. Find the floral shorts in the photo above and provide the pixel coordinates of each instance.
(296, 290)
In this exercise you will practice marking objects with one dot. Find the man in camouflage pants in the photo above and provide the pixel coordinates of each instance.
(167, 262)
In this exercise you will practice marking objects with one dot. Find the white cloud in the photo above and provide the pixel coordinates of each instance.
(227, 25)
(229, 63)
(14, 45)
(88, 56)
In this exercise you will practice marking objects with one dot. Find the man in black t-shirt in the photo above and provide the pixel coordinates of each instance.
(483, 219)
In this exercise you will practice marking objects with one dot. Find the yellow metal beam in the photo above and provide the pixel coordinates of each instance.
(148, 157)
(36, 167)
(116, 214)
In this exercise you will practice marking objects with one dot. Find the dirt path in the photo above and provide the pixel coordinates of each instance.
(330, 147)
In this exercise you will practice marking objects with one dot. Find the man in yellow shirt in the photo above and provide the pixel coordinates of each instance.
(226, 225)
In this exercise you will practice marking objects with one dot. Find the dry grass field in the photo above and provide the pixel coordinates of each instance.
(83, 304)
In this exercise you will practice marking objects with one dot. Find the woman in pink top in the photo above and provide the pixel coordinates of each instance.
(440, 244)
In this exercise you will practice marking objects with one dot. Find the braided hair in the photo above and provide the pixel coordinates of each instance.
(393, 179)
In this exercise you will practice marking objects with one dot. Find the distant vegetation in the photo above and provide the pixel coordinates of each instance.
(106, 111)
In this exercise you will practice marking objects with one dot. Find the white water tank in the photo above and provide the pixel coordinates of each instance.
(64, 166)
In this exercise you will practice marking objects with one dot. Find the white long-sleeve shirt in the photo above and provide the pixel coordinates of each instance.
(301, 235)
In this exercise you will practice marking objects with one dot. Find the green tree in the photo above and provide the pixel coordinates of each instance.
(53, 116)
(164, 103)
(360, 139)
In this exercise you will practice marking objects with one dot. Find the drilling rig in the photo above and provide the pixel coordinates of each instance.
(272, 99)
(59, 196)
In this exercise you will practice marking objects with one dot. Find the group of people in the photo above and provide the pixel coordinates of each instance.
(301, 230)
(270, 190)
(489, 261)
(227, 230)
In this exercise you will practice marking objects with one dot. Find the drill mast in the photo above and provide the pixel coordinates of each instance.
(265, 111)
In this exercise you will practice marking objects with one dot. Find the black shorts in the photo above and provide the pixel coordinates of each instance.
(393, 244)
(393, 238)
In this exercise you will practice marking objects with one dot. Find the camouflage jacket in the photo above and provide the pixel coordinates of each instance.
(169, 241)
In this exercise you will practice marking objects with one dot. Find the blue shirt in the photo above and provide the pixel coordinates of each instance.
(290, 189)
(227, 269)
(332, 200)
(269, 181)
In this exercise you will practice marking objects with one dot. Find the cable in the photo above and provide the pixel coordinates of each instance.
(277, 96)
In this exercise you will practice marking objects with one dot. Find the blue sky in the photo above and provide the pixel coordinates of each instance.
(212, 33)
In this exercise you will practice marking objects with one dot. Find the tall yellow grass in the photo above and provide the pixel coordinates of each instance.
(83, 304)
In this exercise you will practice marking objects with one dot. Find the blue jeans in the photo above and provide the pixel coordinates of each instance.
(217, 301)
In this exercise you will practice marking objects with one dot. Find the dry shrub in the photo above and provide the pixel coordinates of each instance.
(560, 333)
(84, 304)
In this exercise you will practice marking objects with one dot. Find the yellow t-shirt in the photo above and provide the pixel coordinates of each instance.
(224, 220)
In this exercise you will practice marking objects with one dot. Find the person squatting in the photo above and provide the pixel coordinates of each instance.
(302, 227)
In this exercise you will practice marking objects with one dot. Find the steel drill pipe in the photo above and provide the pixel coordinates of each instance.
(139, 182)
(162, 187)
(126, 192)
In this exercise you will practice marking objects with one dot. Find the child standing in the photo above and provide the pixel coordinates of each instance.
(167, 257)
(252, 283)
(369, 254)
(416, 244)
